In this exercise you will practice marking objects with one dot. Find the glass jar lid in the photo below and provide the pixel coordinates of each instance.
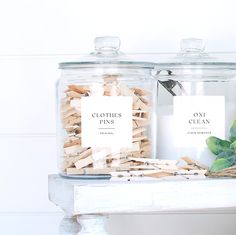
(106, 54)
(193, 56)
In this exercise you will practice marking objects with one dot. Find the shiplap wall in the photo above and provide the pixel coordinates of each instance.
(36, 35)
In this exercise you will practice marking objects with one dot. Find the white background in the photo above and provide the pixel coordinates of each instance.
(36, 34)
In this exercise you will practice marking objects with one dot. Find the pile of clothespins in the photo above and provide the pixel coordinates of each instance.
(185, 168)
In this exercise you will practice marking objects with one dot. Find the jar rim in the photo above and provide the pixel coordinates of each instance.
(197, 65)
(119, 64)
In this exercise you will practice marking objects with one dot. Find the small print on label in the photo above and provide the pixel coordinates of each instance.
(196, 118)
(106, 121)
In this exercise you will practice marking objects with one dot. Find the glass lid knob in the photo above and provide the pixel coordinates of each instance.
(193, 45)
(107, 43)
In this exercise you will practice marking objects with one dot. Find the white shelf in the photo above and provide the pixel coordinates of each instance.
(81, 197)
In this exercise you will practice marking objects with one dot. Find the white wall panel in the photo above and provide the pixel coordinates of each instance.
(25, 165)
(27, 94)
(69, 26)
(30, 224)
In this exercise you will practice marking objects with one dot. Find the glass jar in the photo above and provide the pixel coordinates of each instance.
(106, 112)
(197, 99)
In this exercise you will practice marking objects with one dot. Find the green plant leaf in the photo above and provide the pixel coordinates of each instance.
(232, 136)
(217, 145)
(232, 160)
(226, 154)
(220, 164)
(233, 146)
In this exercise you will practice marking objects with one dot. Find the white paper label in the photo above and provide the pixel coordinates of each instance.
(196, 118)
(106, 121)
